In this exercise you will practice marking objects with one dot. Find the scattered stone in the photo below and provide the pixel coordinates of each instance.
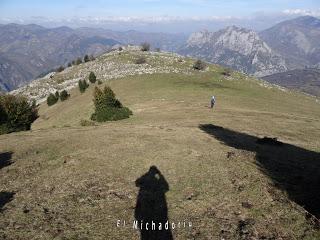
(230, 154)
(237, 213)
(195, 233)
(240, 188)
(45, 210)
(118, 195)
(247, 205)
(25, 210)
(210, 212)
(191, 195)
(244, 228)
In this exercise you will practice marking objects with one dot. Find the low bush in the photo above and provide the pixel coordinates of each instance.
(108, 107)
(86, 58)
(199, 65)
(145, 47)
(4, 129)
(226, 72)
(17, 113)
(141, 60)
(83, 85)
(111, 114)
(92, 77)
(78, 61)
(60, 69)
(52, 99)
(64, 95)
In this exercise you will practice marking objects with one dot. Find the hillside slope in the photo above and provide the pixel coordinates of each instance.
(306, 80)
(26, 51)
(31, 50)
(64, 181)
(297, 40)
(115, 64)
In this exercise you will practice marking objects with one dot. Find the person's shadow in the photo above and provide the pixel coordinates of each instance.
(151, 207)
(5, 159)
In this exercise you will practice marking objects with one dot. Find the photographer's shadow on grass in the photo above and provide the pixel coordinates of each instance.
(5, 197)
(291, 168)
(151, 207)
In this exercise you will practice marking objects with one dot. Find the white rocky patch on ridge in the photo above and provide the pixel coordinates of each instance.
(105, 67)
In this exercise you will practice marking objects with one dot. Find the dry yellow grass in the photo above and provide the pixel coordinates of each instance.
(74, 182)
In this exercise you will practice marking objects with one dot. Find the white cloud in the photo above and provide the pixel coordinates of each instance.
(156, 19)
(257, 21)
(302, 12)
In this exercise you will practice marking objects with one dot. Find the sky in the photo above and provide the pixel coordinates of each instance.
(156, 15)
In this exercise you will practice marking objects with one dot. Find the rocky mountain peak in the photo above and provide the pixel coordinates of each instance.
(235, 28)
(241, 40)
(236, 47)
(200, 37)
(234, 38)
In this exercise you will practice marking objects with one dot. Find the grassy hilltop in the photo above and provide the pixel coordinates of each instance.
(66, 181)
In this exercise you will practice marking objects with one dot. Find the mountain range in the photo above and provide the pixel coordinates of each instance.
(26, 51)
(29, 50)
(296, 40)
(235, 47)
(287, 54)
(286, 46)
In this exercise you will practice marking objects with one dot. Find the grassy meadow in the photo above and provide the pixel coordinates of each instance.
(62, 180)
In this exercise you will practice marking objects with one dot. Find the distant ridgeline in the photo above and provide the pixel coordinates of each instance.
(271, 51)
(21, 60)
(306, 80)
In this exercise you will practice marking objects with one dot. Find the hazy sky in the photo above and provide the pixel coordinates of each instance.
(164, 15)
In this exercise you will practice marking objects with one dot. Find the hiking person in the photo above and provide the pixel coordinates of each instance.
(213, 101)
